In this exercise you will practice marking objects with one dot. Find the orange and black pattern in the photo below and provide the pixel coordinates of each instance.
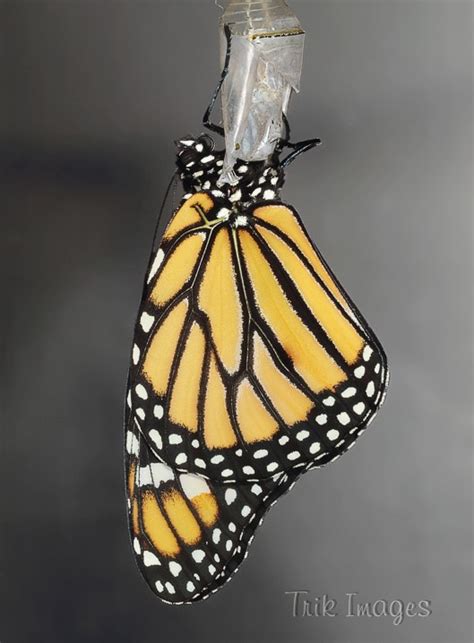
(250, 363)
(190, 534)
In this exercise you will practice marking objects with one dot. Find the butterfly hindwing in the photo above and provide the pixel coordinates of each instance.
(190, 535)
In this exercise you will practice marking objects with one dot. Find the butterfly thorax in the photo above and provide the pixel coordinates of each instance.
(200, 167)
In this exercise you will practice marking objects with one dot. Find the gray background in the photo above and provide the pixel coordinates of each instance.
(92, 96)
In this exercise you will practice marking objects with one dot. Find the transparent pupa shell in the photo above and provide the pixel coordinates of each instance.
(265, 65)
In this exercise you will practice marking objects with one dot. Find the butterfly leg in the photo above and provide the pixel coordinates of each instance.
(299, 148)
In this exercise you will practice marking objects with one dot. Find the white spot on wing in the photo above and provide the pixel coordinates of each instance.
(181, 458)
(132, 444)
(158, 411)
(146, 322)
(198, 555)
(140, 390)
(170, 588)
(175, 568)
(135, 354)
(367, 354)
(193, 485)
(359, 408)
(230, 496)
(349, 392)
(149, 559)
(156, 437)
(359, 372)
(154, 474)
(329, 401)
(344, 418)
(160, 255)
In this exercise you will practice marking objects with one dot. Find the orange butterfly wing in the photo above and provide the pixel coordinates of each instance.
(190, 535)
(249, 359)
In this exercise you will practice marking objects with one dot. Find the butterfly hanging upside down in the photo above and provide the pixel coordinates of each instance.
(250, 366)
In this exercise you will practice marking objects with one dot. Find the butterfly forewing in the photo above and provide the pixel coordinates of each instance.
(249, 358)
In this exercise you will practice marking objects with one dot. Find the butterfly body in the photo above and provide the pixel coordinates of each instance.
(200, 166)
(250, 366)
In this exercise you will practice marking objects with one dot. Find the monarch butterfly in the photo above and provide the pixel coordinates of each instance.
(250, 365)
